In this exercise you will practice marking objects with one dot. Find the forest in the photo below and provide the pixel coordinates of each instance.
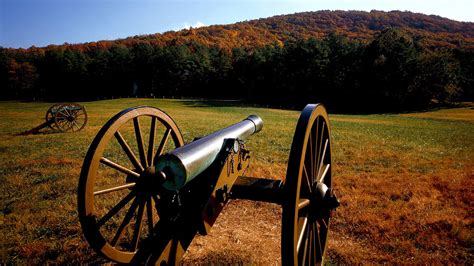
(392, 69)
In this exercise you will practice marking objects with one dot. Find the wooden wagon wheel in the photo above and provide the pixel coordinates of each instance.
(117, 188)
(70, 117)
(49, 117)
(309, 198)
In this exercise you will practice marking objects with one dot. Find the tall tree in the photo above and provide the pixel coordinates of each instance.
(389, 61)
(22, 78)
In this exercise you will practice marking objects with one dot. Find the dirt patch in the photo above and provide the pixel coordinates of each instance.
(246, 232)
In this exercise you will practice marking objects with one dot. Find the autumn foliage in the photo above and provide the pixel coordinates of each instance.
(352, 61)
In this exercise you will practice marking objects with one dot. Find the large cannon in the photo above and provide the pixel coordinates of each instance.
(142, 201)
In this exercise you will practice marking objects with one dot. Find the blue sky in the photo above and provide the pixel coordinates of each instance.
(24, 23)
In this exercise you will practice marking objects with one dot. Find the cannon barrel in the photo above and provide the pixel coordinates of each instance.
(186, 162)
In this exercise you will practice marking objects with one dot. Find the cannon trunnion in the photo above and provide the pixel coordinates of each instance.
(143, 195)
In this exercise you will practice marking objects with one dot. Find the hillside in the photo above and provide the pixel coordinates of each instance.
(358, 62)
(431, 31)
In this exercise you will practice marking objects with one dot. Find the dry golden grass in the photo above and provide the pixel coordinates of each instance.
(406, 183)
(463, 113)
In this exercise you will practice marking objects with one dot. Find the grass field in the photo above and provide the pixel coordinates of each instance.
(406, 183)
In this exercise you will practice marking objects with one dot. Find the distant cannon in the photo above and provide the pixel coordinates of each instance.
(142, 202)
(63, 117)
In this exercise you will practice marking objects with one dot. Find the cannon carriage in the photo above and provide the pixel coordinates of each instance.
(143, 194)
(66, 117)
(62, 117)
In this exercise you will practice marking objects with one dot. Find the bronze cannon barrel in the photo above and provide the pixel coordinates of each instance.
(186, 162)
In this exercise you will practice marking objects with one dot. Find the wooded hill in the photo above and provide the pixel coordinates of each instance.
(351, 61)
(430, 31)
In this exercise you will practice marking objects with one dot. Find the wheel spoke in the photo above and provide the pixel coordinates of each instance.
(304, 224)
(141, 147)
(138, 226)
(65, 125)
(108, 190)
(67, 111)
(75, 124)
(125, 222)
(326, 169)
(128, 151)
(323, 223)
(63, 113)
(323, 232)
(68, 114)
(316, 140)
(303, 203)
(60, 121)
(118, 167)
(149, 213)
(305, 250)
(80, 122)
(162, 144)
(319, 253)
(310, 144)
(315, 248)
(311, 246)
(308, 183)
(155, 198)
(116, 209)
(151, 143)
(321, 144)
(322, 157)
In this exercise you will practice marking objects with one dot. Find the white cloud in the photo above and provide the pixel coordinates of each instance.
(199, 24)
(195, 25)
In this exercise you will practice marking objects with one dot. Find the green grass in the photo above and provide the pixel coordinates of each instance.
(406, 181)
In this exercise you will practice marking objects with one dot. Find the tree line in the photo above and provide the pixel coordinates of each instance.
(392, 72)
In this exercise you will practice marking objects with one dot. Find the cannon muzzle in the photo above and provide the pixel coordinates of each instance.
(186, 162)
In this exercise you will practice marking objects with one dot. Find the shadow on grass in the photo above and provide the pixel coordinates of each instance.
(47, 131)
(214, 103)
(232, 103)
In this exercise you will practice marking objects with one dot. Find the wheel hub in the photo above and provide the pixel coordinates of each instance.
(323, 200)
(149, 181)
